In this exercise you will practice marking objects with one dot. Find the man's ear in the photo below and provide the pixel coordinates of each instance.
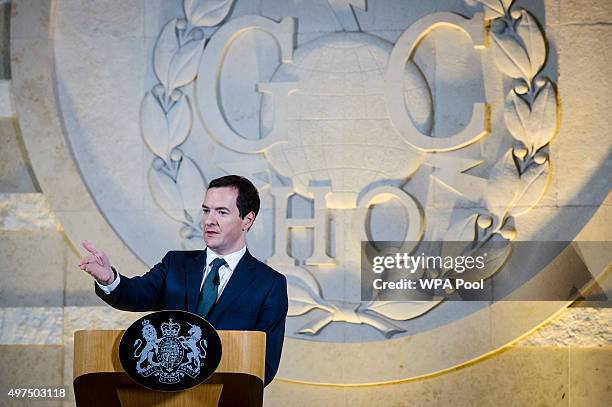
(248, 220)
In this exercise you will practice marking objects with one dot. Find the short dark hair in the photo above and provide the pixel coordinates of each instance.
(248, 197)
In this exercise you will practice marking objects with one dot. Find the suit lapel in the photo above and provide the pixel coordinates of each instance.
(194, 279)
(237, 285)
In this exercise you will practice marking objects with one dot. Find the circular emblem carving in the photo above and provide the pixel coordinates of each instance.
(235, 93)
(170, 350)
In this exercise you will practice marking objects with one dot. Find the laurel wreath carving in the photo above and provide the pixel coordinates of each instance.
(517, 181)
(166, 116)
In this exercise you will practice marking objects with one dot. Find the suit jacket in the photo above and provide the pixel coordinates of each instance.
(254, 299)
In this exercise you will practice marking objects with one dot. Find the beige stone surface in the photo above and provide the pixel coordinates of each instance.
(110, 18)
(510, 317)
(590, 372)
(31, 59)
(404, 357)
(279, 393)
(17, 175)
(157, 13)
(33, 19)
(31, 325)
(542, 225)
(516, 377)
(30, 366)
(26, 211)
(576, 327)
(584, 141)
(32, 265)
(585, 11)
(552, 13)
(6, 104)
(599, 229)
(34, 93)
(105, 107)
(319, 365)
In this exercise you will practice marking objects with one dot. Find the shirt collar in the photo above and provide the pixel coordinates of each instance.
(231, 259)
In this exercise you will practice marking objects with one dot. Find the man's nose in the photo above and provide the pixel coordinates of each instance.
(209, 219)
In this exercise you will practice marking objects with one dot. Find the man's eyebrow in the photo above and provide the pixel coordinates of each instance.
(216, 208)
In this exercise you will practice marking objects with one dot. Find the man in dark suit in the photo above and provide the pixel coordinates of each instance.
(223, 283)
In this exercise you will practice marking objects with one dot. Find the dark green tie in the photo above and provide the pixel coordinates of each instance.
(208, 295)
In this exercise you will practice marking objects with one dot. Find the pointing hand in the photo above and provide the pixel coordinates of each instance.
(97, 264)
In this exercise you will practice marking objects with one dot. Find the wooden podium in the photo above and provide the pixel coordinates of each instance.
(99, 379)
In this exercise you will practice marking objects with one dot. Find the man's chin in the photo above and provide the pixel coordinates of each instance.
(211, 242)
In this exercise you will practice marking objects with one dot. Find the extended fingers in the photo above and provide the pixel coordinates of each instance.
(89, 247)
(89, 261)
(96, 254)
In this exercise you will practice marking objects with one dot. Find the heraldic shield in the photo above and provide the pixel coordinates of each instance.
(170, 350)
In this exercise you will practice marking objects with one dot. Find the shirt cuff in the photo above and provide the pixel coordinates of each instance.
(109, 288)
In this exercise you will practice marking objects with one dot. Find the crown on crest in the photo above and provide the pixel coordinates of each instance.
(170, 328)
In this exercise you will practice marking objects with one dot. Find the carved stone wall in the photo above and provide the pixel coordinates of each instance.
(397, 121)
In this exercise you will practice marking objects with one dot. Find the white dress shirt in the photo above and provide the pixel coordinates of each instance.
(225, 271)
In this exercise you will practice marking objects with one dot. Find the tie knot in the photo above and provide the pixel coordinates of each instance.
(217, 263)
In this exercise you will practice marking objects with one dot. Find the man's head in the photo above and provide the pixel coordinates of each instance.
(230, 206)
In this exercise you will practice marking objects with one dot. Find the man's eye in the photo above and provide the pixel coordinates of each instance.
(205, 210)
